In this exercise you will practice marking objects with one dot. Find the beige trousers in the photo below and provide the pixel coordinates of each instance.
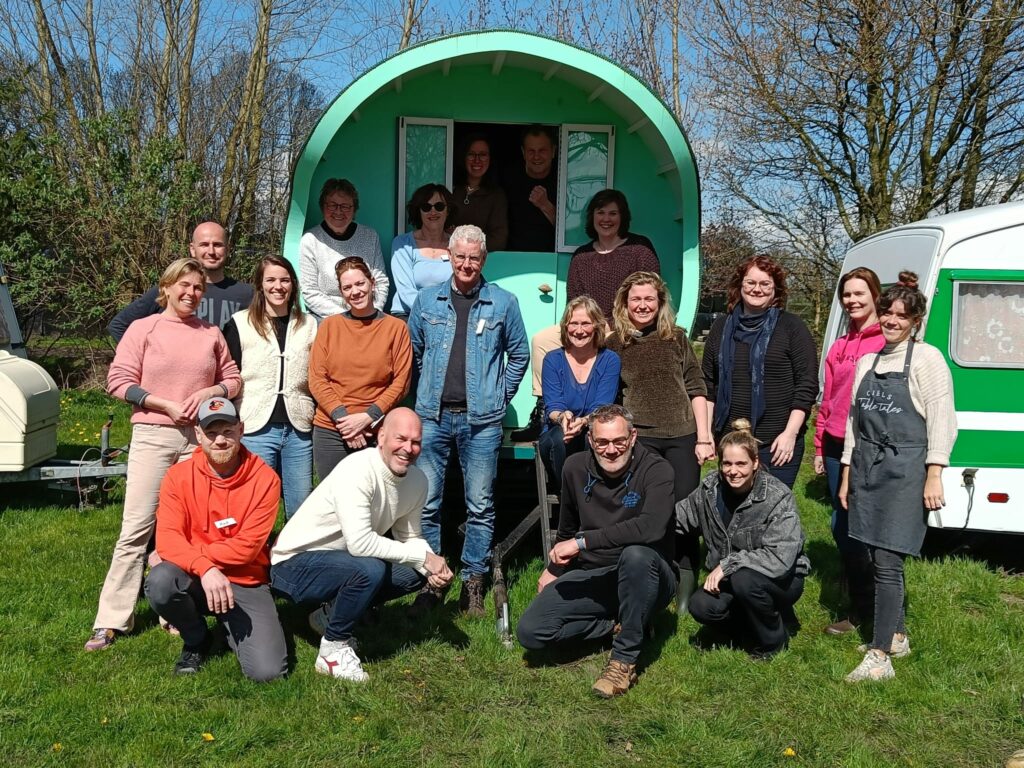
(154, 449)
(544, 341)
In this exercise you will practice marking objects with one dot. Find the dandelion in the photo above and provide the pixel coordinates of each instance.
(58, 747)
(208, 736)
(358, 719)
(789, 752)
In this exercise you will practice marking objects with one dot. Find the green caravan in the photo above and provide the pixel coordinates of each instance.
(396, 127)
(971, 268)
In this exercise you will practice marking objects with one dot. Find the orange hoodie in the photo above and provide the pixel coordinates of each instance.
(194, 500)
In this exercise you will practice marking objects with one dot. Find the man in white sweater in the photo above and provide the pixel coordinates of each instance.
(335, 550)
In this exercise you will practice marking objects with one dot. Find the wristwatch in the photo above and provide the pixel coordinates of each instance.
(580, 541)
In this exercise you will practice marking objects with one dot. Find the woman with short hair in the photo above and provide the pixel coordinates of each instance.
(338, 236)
(165, 365)
(270, 342)
(420, 257)
(899, 433)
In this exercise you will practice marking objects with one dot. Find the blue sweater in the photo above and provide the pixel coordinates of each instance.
(563, 393)
(411, 271)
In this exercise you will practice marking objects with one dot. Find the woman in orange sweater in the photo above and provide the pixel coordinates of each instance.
(359, 369)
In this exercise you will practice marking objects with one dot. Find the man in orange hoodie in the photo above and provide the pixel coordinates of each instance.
(216, 513)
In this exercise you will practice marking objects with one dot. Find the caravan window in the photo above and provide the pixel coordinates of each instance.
(988, 324)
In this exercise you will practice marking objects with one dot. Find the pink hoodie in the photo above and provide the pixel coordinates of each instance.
(840, 367)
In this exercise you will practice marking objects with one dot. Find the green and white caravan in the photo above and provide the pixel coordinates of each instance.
(395, 128)
(971, 269)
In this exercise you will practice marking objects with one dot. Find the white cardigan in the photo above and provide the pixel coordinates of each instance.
(262, 360)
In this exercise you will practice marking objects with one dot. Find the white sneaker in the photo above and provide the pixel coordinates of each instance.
(319, 618)
(897, 650)
(875, 666)
(338, 659)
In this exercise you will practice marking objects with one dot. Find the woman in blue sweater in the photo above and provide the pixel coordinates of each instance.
(582, 377)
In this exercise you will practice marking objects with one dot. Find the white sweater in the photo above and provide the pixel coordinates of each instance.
(931, 390)
(352, 509)
(319, 252)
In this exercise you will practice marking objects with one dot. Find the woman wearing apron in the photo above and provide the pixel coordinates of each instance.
(899, 434)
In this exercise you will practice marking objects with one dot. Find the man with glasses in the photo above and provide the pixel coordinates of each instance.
(223, 295)
(612, 563)
(470, 347)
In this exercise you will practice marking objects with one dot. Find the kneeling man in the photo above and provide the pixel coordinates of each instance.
(335, 548)
(612, 563)
(216, 512)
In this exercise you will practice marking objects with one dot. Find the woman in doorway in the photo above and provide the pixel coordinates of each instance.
(270, 342)
(858, 291)
(421, 257)
(480, 201)
(899, 434)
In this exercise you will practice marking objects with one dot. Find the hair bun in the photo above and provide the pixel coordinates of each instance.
(741, 425)
(908, 279)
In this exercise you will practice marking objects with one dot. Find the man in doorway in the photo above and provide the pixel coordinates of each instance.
(470, 346)
(531, 194)
(612, 563)
(223, 295)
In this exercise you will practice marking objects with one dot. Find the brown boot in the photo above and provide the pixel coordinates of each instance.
(617, 678)
(841, 627)
(471, 599)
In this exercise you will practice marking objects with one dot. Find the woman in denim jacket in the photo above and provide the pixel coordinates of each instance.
(754, 540)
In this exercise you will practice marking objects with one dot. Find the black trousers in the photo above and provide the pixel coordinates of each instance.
(329, 449)
(751, 607)
(585, 604)
(679, 452)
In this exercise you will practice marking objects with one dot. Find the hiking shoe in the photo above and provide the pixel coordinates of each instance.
(897, 650)
(471, 599)
(338, 659)
(319, 618)
(192, 659)
(427, 599)
(101, 639)
(841, 627)
(617, 678)
(875, 666)
(531, 431)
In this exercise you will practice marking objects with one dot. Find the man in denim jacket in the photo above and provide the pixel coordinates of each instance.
(471, 351)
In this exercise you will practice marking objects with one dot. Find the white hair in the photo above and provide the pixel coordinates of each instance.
(469, 233)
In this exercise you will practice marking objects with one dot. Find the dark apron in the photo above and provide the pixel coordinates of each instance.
(887, 471)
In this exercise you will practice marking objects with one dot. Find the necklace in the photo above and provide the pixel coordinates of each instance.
(469, 191)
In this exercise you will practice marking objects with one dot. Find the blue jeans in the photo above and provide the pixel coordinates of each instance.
(832, 452)
(353, 583)
(478, 447)
(289, 453)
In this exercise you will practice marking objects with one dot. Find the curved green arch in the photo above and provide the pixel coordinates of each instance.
(453, 47)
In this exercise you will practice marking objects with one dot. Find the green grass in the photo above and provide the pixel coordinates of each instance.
(449, 694)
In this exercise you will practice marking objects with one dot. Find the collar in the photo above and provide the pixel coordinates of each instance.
(474, 292)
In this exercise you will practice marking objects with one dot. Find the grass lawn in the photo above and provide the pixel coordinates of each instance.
(449, 694)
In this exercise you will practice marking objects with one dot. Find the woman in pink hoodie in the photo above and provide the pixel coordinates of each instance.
(858, 291)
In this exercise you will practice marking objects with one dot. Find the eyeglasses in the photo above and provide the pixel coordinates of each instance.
(620, 443)
(339, 207)
(764, 285)
(477, 155)
(586, 326)
(425, 207)
(458, 258)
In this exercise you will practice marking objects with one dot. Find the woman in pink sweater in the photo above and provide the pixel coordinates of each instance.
(858, 291)
(165, 366)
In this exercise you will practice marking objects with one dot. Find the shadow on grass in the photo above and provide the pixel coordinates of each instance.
(817, 489)
(998, 552)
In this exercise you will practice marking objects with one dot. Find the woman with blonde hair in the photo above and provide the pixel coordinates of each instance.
(663, 387)
(166, 365)
(270, 342)
(577, 379)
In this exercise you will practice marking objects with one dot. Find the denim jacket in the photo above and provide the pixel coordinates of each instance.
(495, 329)
(763, 535)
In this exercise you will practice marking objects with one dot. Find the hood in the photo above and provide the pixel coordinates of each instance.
(206, 482)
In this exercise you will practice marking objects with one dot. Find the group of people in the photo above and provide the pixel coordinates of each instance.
(237, 394)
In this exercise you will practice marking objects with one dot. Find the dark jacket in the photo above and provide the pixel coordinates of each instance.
(613, 513)
(763, 535)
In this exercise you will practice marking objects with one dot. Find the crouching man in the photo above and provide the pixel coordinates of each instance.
(334, 550)
(757, 565)
(612, 562)
(216, 511)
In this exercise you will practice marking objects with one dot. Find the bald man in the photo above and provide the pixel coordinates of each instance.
(335, 551)
(223, 295)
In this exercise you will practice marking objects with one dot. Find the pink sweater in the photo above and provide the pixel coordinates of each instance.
(171, 358)
(840, 368)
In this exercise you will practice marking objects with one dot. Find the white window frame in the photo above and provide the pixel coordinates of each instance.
(954, 325)
(403, 196)
(563, 169)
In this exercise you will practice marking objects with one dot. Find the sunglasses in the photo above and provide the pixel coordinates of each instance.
(425, 207)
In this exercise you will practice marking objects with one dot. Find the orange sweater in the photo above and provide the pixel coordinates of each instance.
(356, 364)
(193, 499)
